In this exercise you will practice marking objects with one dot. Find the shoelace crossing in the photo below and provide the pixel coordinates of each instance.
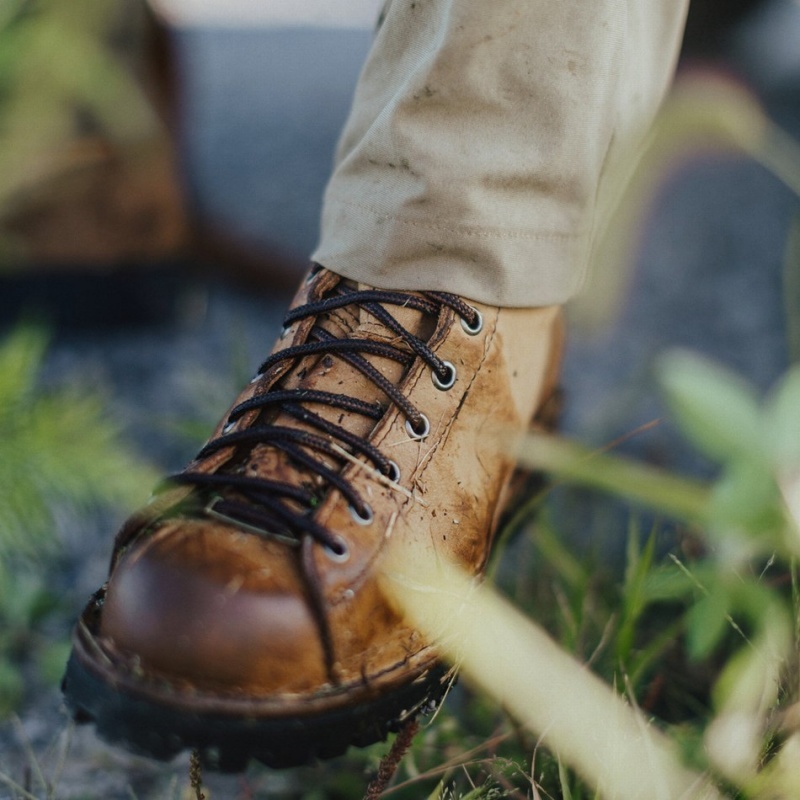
(284, 510)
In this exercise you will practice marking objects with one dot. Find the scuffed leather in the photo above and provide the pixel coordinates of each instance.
(204, 604)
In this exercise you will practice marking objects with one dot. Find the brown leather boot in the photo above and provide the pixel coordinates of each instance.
(243, 615)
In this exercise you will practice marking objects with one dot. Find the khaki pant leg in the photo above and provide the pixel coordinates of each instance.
(480, 137)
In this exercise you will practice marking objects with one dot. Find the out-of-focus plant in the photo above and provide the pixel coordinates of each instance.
(59, 447)
(26, 606)
(706, 113)
(723, 614)
(63, 92)
(739, 604)
(58, 451)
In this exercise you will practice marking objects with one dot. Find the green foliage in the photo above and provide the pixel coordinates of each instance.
(60, 453)
(58, 71)
(707, 642)
(60, 450)
(754, 444)
(26, 606)
(704, 642)
(716, 409)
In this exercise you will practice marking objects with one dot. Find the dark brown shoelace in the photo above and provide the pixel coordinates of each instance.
(285, 510)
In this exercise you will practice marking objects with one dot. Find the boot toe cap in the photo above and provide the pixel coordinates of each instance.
(205, 603)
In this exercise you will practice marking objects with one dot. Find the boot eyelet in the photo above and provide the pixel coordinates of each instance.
(448, 381)
(338, 553)
(363, 516)
(309, 279)
(229, 426)
(476, 327)
(424, 428)
(394, 472)
(257, 377)
(285, 331)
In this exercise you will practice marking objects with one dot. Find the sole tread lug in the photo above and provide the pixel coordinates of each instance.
(227, 744)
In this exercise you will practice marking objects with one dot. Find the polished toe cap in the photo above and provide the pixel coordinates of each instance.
(218, 608)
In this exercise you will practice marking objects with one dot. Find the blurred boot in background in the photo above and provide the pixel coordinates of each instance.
(87, 171)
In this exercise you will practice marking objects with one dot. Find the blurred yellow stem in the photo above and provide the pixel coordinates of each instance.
(580, 718)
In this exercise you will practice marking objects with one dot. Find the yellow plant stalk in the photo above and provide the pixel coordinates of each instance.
(578, 717)
(706, 113)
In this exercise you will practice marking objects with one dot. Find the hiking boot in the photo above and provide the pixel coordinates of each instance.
(243, 616)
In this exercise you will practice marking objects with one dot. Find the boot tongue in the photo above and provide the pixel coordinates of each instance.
(331, 373)
(357, 322)
(416, 322)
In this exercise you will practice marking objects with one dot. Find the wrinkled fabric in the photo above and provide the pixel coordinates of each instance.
(484, 137)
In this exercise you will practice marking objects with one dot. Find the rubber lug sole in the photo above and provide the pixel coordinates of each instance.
(227, 743)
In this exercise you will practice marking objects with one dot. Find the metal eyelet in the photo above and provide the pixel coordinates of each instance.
(340, 554)
(448, 381)
(477, 327)
(257, 377)
(310, 277)
(285, 331)
(229, 426)
(394, 472)
(363, 517)
(421, 434)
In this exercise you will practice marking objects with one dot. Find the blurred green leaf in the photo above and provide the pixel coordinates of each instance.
(59, 448)
(649, 654)
(20, 350)
(11, 687)
(553, 550)
(639, 564)
(707, 623)
(667, 583)
(641, 483)
(60, 451)
(782, 421)
(757, 601)
(746, 498)
(715, 408)
(24, 600)
(52, 660)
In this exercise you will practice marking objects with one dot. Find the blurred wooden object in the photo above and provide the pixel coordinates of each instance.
(99, 202)
(101, 198)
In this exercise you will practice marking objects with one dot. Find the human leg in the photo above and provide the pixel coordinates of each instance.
(484, 139)
(244, 613)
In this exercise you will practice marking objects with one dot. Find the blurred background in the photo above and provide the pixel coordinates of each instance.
(161, 171)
